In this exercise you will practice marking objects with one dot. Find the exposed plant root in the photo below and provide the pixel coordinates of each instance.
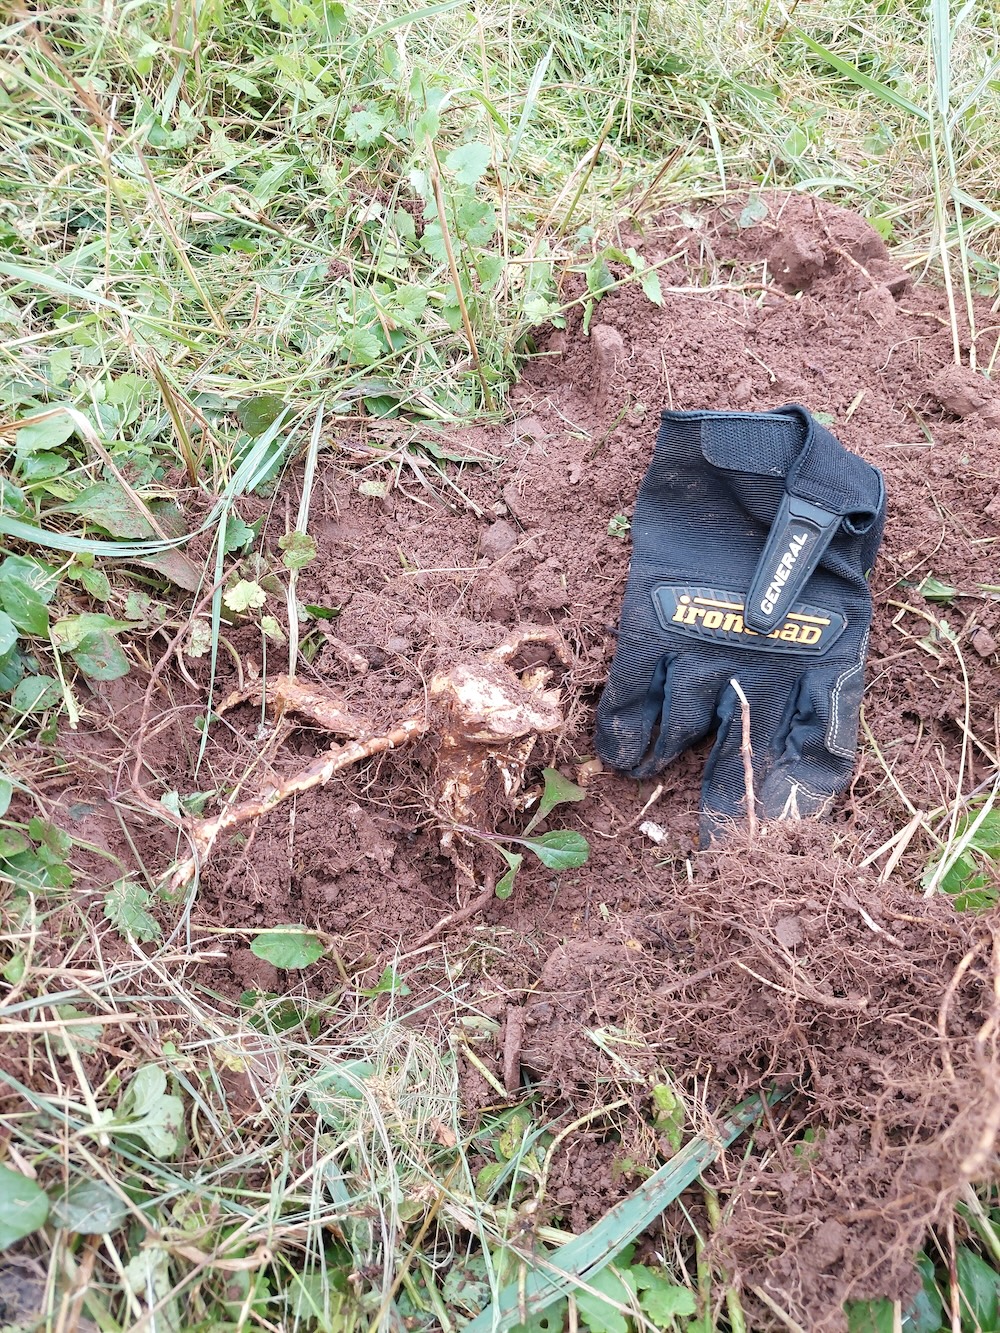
(486, 719)
(204, 833)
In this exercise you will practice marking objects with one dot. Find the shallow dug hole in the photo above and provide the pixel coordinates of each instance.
(786, 960)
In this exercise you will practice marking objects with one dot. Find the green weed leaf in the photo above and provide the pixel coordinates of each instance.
(469, 162)
(100, 657)
(299, 549)
(6, 792)
(869, 1316)
(287, 947)
(256, 415)
(25, 608)
(90, 1208)
(389, 983)
(662, 1301)
(364, 128)
(8, 633)
(245, 596)
(109, 506)
(935, 590)
(505, 885)
(126, 906)
(755, 211)
(12, 841)
(23, 1207)
(46, 434)
(979, 1288)
(239, 535)
(562, 849)
(599, 1315)
(556, 791)
(36, 693)
(150, 1112)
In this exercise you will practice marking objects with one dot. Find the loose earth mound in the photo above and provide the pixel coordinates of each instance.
(785, 959)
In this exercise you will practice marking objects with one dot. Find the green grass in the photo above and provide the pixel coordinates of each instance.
(227, 228)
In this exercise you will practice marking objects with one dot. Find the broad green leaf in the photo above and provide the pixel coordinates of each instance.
(299, 549)
(389, 983)
(364, 128)
(562, 849)
(869, 1316)
(934, 590)
(90, 1208)
(37, 469)
(14, 968)
(556, 791)
(100, 657)
(6, 792)
(51, 836)
(24, 606)
(505, 885)
(668, 1114)
(245, 596)
(83, 1037)
(926, 1314)
(45, 434)
(125, 906)
(755, 211)
(36, 693)
(150, 1112)
(108, 505)
(255, 415)
(11, 670)
(662, 1301)
(96, 583)
(288, 947)
(599, 276)
(69, 633)
(469, 162)
(239, 535)
(552, 1320)
(23, 1207)
(599, 1315)
(979, 1291)
(20, 571)
(12, 841)
(8, 633)
(650, 281)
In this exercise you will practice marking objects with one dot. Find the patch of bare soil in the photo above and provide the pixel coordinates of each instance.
(779, 962)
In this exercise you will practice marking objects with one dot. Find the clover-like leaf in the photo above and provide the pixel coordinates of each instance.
(245, 596)
(469, 162)
(299, 549)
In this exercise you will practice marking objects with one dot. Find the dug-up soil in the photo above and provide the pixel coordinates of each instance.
(806, 957)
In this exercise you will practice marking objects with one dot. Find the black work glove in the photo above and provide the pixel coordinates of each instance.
(752, 538)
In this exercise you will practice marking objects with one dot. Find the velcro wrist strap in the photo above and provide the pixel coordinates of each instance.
(799, 535)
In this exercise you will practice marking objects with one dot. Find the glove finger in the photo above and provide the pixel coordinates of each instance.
(815, 746)
(723, 791)
(641, 735)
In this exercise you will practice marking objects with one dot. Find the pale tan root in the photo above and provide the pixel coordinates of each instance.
(204, 832)
(284, 694)
(487, 719)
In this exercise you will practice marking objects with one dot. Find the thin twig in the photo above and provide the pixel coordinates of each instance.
(747, 755)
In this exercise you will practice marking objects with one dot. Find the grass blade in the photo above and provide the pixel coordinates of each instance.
(586, 1254)
(865, 81)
